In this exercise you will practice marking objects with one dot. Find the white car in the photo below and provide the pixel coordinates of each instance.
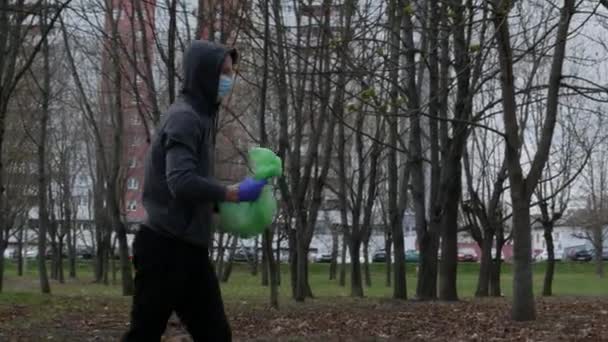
(544, 256)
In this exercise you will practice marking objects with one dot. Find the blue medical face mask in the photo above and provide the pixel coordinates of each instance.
(226, 83)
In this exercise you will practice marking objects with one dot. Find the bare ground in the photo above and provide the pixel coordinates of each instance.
(60, 318)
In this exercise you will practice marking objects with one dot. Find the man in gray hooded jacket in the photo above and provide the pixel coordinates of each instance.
(173, 270)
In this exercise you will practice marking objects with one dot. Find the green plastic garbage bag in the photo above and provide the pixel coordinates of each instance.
(249, 219)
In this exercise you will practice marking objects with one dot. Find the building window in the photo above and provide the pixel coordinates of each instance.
(132, 206)
(133, 184)
(132, 163)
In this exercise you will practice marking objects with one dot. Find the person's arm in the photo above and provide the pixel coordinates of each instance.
(182, 137)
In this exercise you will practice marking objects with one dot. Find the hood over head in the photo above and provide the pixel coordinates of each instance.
(202, 67)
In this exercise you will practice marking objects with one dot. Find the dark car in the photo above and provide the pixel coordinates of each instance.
(581, 255)
(604, 253)
(379, 256)
(85, 253)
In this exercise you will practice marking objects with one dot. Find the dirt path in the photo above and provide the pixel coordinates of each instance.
(103, 319)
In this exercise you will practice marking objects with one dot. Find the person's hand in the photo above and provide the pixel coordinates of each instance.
(248, 190)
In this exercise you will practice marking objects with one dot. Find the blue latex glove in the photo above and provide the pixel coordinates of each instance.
(250, 189)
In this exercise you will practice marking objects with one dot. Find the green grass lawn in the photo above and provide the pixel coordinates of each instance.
(80, 308)
(571, 279)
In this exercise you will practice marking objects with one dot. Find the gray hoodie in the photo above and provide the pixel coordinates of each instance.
(179, 195)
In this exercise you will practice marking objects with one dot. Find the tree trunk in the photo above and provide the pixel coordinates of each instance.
(220, 260)
(388, 244)
(400, 285)
(426, 288)
(264, 263)
(72, 254)
(101, 228)
(60, 264)
(395, 214)
(598, 242)
(483, 282)
(293, 261)
(219, 252)
(449, 245)
(368, 275)
(523, 294)
(451, 188)
(20, 252)
(271, 269)
(599, 266)
(307, 288)
(128, 287)
(113, 268)
(2, 248)
(522, 186)
(1, 270)
(99, 252)
(171, 39)
(278, 258)
(43, 218)
(107, 256)
(228, 265)
(54, 257)
(255, 261)
(495, 269)
(356, 280)
(342, 280)
(301, 268)
(548, 283)
(333, 267)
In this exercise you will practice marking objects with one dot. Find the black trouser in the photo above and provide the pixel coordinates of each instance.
(171, 275)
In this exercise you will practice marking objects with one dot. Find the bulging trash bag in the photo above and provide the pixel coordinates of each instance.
(249, 219)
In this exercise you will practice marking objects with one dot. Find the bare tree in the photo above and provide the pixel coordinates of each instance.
(593, 219)
(15, 32)
(108, 139)
(397, 184)
(554, 192)
(523, 186)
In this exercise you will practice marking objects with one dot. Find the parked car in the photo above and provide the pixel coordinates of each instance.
(544, 256)
(581, 255)
(570, 252)
(379, 256)
(244, 255)
(412, 256)
(85, 253)
(323, 258)
(467, 255)
(604, 253)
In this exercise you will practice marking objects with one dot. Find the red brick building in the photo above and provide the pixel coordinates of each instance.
(231, 139)
(135, 99)
(219, 21)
